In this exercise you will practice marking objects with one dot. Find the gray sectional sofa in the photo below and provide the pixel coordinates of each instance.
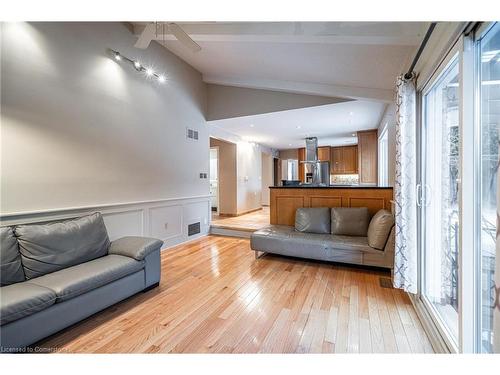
(346, 235)
(54, 275)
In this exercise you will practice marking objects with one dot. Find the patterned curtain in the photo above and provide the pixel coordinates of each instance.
(405, 261)
(496, 312)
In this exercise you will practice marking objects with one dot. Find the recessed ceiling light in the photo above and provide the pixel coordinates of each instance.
(161, 78)
(298, 126)
(289, 144)
(351, 113)
(353, 134)
(118, 57)
(149, 72)
(252, 125)
(137, 65)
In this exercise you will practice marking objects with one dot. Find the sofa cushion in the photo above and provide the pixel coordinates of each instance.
(71, 282)
(11, 269)
(313, 220)
(350, 221)
(379, 229)
(356, 243)
(47, 248)
(23, 299)
(283, 239)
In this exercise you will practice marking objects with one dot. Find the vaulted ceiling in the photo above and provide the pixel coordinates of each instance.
(352, 60)
(358, 60)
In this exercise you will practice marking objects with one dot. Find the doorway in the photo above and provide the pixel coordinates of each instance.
(214, 179)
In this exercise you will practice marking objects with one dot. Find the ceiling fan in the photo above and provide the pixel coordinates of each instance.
(151, 31)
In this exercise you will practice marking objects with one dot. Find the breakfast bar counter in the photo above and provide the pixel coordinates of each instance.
(285, 200)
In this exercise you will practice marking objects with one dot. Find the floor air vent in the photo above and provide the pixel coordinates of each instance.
(385, 282)
(194, 229)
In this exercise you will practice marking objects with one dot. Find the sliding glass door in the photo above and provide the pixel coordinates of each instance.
(457, 191)
(439, 199)
(488, 125)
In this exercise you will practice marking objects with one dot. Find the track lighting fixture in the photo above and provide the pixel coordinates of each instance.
(138, 66)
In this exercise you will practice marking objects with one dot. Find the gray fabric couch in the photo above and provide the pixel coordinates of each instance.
(54, 275)
(346, 235)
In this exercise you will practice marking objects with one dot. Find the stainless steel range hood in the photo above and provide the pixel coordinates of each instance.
(318, 170)
(311, 150)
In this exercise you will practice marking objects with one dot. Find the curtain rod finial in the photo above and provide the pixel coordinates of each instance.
(409, 75)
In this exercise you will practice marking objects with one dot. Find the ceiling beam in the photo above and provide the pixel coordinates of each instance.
(295, 32)
(359, 93)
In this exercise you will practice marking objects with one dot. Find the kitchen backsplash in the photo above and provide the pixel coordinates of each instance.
(344, 179)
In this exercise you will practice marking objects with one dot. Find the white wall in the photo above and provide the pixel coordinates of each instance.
(80, 129)
(267, 177)
(249, 169)
(229, 101)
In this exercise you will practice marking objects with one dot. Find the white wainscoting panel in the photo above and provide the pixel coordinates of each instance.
(125, 223)
(165, 219)
(166, 222)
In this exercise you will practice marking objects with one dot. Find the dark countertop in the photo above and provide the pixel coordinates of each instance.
(331, 187)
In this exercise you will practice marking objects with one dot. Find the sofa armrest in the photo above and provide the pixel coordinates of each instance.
(135, 247)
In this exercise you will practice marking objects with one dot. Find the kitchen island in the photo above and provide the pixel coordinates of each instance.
(285, 200)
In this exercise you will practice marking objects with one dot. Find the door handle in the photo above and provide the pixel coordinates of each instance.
(418, 192)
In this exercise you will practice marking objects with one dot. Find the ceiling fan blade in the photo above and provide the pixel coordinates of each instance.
(184, 38)
(146, 36)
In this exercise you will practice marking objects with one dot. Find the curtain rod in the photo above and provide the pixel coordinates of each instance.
(409, 74)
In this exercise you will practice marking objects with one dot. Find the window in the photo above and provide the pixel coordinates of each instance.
(488, 61)
(440, 199)
(383, 157)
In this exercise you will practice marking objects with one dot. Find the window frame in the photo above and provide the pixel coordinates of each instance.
(452, 345)
(476, 40)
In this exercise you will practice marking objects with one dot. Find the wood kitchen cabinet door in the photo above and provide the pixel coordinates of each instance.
(367, 156)
(324, 153)
(350, 159)
(302, 157)
(336, 164)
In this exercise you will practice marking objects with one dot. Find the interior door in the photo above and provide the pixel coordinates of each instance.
(439, 199)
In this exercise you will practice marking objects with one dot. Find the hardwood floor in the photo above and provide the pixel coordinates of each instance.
(248, 222)
(215, 297)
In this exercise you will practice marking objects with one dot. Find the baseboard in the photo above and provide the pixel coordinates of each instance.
(438, 343)
(249, 211)
(240, 213)
(230, 232)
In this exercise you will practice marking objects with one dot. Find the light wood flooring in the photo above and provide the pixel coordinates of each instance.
(248, 222)
(214, 296)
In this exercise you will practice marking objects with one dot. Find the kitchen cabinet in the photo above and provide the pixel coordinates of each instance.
(302, 157)
(344, 160)
(350, 156)
(324, 153)
(367, 156)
